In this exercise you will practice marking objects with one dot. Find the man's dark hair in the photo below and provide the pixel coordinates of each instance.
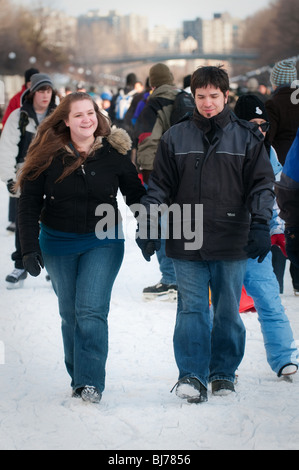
(210, 75)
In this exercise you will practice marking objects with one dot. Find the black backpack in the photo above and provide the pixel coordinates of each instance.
(183, 105)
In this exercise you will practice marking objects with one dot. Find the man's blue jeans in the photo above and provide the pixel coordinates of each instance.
(83, 284)
(200, 352)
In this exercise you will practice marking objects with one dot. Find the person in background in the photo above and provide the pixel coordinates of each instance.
(15, 103)
(106, 97)
(253, 88)
(137, 106)
(214, 161)
(151, 124)
(38, 101)
(260, 281)
(121, 101)
(187, 83)
(287, 192)
(283, 115)
(70, 179)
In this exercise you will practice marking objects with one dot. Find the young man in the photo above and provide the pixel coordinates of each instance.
(20, 128)
(216, 161)
(15, 103)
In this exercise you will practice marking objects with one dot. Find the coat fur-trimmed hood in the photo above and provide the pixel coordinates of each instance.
(119, 139)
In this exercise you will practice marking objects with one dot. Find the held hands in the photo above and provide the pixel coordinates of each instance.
(292, 244)
(33, 262)
(148, 236)
(259, 242)
(148, 247)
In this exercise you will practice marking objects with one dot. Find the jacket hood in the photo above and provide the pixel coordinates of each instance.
(165, 91)
(119, 139)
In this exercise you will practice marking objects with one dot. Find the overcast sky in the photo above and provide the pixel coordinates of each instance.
(162, 12)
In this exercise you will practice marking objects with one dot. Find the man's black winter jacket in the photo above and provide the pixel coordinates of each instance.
(222, 164)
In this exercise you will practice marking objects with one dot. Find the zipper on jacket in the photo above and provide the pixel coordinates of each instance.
(197, 176)
(83, 169)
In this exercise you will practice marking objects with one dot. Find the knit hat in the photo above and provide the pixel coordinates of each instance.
(250, 107)
(160, 74)
(28, 74)
(106, 96)
(38, 80)
(283, 72)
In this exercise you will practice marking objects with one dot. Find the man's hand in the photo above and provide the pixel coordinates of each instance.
(259, 242)
(148, 247)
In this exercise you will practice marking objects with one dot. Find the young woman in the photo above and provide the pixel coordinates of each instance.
(75, 167)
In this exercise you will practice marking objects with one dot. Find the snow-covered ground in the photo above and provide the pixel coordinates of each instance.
(137, 411)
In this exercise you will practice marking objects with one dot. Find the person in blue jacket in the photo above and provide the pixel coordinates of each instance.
(287, 193)
(260, 281)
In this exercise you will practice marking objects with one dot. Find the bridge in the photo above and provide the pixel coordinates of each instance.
(233, 56)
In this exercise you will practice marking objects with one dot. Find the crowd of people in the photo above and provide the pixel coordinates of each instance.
(64, 160)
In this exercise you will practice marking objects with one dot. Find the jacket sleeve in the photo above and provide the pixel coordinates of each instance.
(159, 194)
(259, 182)
(129, 183)
(30, 207)
(287, 189)
(9, 149)
(287, 195)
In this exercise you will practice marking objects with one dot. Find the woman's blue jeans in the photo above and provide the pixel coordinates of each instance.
(83, 283)
(200, 352)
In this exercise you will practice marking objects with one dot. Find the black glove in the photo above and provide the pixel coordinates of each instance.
(10, 186)
(148, 247)
(33, 262)
(259, 242)
(292, 244)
